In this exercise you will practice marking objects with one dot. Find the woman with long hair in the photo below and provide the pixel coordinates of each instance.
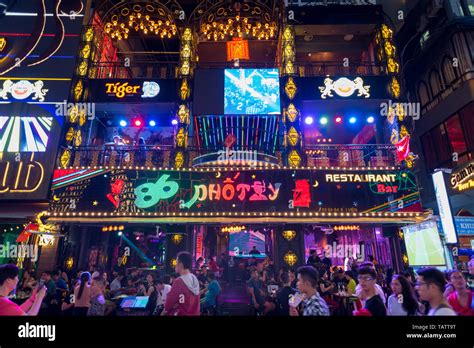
(82, 295)
(403, 300)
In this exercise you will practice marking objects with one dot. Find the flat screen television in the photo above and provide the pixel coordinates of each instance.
(251, 92)
(241, 243)
(423, 244)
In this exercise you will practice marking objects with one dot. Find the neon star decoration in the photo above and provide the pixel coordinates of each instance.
(24, 134)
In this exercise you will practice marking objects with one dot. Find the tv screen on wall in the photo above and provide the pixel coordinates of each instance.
(251, 92)
(241, 243)
(423, 245)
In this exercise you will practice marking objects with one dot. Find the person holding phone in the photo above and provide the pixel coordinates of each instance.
(9, 282)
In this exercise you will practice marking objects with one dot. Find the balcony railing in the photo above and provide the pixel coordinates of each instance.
(356, 156)
(315, 69)
(351, 155)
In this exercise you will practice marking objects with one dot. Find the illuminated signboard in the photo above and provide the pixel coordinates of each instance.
(23, 89)
(24, 134)
(444, 208)
(250, 191)
(134, 90)
(463, 179)
(344, 87)
(28, 144)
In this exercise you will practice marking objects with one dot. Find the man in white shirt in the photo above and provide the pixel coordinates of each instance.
(430, 284)
(162, 288)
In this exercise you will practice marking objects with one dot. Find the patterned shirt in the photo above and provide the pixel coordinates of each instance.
(315, 306)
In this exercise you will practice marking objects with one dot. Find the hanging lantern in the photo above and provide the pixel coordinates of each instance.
(237, 49)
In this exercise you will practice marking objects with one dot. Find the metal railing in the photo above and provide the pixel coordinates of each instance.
(352, 155)
(315, 69)
(157, 156)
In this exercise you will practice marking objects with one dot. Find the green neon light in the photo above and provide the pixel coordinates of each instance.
(150, 194)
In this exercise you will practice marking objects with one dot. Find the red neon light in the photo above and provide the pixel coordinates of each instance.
(302, 194)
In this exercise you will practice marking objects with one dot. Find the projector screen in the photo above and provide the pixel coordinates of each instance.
(241, 243)
(251, 92)
(423, 245)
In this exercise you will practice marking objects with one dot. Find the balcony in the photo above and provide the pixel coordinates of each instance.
(329, 68)
(355, 156)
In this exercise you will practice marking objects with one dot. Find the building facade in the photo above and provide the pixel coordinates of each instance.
(217, 127)
(438, 72)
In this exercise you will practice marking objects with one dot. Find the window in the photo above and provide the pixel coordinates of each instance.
(423, 94)
(470, 6)
(456, 7)
(435, 83)
(456, 134)
(449, 73)
(467, 122)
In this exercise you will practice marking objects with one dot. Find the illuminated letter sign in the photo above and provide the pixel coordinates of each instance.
(120, 90)
(463, 179)
(21, 176)
(444, 208)
(344, 88)
(149, 89)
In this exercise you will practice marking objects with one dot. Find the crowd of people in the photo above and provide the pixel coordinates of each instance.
(316, 289)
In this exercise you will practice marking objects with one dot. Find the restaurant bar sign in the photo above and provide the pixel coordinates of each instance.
(137, 191)
(134, 90)
(463, 179)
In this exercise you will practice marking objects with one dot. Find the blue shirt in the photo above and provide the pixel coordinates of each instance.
(213, 290)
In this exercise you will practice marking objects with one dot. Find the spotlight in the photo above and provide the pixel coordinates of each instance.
(323, 120)
(123, 123)
(119, 234)
(370, 119)
(352, 120)
(338, 119)
(137, 123)
(174, 122)
(309, 120)
(152, 123)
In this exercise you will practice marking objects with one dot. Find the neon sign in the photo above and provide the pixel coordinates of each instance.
(120, 90)
(149, 89)
(463, 179)
(230, 229)
(361, 177)
(24, 134)
(150, 194)
(22, 176)
(344, 88)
